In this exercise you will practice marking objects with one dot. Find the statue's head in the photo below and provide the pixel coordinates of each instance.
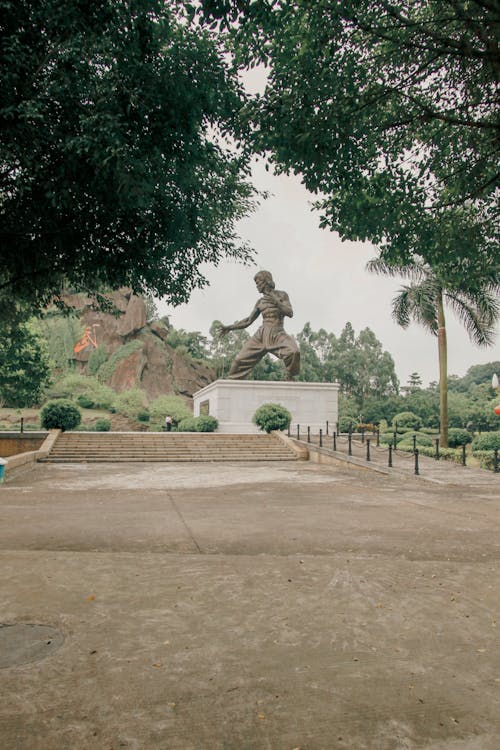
(264, 280)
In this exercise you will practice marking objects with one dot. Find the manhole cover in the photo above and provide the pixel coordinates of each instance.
(22, 644)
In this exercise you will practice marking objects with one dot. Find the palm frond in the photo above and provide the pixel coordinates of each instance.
(415, 271)
(478, 315)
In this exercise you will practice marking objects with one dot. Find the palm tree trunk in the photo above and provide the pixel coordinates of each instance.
(443, 372)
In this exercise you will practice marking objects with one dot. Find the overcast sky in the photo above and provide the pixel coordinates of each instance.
(327, 284)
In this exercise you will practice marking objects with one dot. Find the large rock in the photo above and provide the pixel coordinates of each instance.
(153, 366)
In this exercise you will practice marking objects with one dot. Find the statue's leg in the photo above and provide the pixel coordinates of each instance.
(246, 359)
(286, 348)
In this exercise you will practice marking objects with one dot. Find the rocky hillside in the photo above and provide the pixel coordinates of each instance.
(125, 351)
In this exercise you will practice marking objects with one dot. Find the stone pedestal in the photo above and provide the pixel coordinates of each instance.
(234, 402)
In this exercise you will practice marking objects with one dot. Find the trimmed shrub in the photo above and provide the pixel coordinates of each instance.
(488, 441)
(486, 459)
(187, 425)
(102, 425)
(457, 437)
(422, 439)
(386, 437)
(60, 414)
(175, 406)
(407, 420)
(143, 416)
(206, 423)
(270, 417)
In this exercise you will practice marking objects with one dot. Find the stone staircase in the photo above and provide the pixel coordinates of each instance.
(83, 447)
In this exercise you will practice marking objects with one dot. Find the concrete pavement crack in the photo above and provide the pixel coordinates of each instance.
(184, 523)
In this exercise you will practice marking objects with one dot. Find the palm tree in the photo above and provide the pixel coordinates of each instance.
(423, 300)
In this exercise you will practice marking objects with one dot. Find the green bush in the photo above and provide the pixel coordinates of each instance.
(270, 417)
(206, 423)
(102, 425)
(386, 437)
(488, 441)
(85, 401)
(407, 420)
(188, 424)
(451, 454)
(486, 459)
(73, 386)
(175, 406)
(96, 358)
(430, 431)
(422, 439)
(60, 414)
(143, 416)
(131, 403)
(344, 423)
(458, 436)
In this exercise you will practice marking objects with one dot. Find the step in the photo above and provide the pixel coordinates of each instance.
(143, 447)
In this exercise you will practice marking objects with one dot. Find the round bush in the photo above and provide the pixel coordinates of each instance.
(272, 417)
(189, 424)
(102, 425)
(85, 401)
(407, 420)
(60, 414)
(143, 416)
(488, 441)
(206, 423)
(458, 436)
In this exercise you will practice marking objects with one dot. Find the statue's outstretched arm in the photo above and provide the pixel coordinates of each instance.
(241, 323)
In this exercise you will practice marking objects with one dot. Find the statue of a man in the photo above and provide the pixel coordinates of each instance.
(271, 337)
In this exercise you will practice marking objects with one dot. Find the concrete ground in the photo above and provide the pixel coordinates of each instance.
(248, 607)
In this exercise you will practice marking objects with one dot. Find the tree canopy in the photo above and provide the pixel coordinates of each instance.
(116, 160)
(389, 113)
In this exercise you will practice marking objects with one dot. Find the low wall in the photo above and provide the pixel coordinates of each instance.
(12, 443)
(23, 461)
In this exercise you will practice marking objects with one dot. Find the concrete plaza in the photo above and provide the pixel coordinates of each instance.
(250, 607)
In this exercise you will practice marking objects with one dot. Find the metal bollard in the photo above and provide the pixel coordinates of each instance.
(395, 440)
(308, 434)
(298, 432)
(326, 433)
(416, 461)
(321, 438)
(368, 449)
(463, 456)
(495, 461)
(22, 424)
(349, 438)
(378, 437)
(334, 441)
(390, 455)
(436, 453)
(414, 443)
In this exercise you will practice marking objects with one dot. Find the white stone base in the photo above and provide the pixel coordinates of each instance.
(234, 402)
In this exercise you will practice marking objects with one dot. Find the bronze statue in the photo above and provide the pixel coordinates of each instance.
(271, 336)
